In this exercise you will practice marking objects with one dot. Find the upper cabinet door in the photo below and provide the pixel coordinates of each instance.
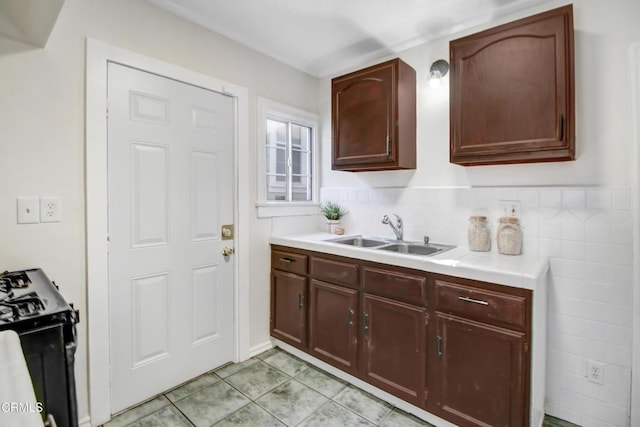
(374, 118)
(512, 92)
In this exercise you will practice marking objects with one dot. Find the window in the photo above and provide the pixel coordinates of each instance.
(286, 143)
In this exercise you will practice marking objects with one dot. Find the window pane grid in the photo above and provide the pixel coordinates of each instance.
(288, 146)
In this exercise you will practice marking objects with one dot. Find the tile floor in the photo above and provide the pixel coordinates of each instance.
(271, 389)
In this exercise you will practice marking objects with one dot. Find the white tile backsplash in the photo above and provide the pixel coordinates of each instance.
(573, 199)
(599, 199)
(587, 234)
(550, 198)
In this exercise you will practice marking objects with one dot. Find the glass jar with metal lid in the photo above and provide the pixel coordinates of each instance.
(479, 234)
(509, 236)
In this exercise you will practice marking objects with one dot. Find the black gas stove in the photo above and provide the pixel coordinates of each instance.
(31, 305)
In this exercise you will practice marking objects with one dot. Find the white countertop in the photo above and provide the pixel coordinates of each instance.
(521, 271)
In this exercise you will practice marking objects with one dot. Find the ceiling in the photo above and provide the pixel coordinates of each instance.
(29, 21)
(328, 37)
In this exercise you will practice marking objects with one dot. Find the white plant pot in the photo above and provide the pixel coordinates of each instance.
(332, 224)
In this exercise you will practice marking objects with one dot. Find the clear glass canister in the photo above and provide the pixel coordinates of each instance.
(509, 236)
(479, 234)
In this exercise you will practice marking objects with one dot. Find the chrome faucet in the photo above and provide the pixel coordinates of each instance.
(396, 228)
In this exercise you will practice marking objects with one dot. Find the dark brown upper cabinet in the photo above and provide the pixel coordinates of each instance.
(512, 92)
(374, 118)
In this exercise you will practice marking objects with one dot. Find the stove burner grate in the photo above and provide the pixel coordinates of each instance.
(15, 280)
(27, 305)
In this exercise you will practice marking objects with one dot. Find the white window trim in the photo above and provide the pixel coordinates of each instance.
(264, 207)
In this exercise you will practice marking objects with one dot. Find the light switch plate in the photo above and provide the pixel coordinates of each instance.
(50, 209)
(28, 210)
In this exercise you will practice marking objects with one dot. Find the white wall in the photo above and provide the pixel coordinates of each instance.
(42, 135)
(578, 213)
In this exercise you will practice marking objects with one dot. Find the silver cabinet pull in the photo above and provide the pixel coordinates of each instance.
(365, 321)
(287, 260)
(439, 346)
(300, 296)
(349, 317)
(475, 301)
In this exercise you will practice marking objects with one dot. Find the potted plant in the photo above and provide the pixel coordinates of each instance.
(333, 212)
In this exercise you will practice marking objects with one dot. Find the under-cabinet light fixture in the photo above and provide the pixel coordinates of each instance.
(438, 70)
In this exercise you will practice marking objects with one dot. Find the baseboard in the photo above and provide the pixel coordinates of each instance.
(262, 347)
(85, 422)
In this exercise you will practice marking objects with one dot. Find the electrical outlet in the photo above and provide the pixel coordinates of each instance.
(510, 208)
(50, 209)
(28, 210)
(595, 371)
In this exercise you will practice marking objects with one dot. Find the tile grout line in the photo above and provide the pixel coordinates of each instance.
(178, 409)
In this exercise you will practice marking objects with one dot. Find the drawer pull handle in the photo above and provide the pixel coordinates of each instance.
(475, 301)
(287, 260)
(300, 296)
(350, 317)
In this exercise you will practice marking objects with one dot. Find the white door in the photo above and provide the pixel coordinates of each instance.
(171, 293)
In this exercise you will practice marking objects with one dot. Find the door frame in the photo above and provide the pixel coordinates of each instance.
(634, 59)
(98, 55)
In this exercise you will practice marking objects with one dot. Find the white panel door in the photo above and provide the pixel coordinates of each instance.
(171, 293)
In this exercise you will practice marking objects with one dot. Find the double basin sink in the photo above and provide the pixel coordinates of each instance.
(402, 247)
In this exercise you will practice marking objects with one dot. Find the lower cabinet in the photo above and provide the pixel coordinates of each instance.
(458, 348)
(479, 373)
(393, 347)
(333, 324)
(288, 308)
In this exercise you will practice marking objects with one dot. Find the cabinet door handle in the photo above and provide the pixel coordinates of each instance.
(300, 296)
(365, 322)
(349, 317)
(475, 301)
(287, 260)
(561, 126)
(439, 346)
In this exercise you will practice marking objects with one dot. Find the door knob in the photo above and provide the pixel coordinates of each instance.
(226, 251)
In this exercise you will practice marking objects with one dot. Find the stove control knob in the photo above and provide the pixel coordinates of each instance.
(226, 251)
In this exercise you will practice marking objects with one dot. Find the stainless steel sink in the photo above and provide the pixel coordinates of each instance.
(401, 247)
(416, 248)
(363, 242)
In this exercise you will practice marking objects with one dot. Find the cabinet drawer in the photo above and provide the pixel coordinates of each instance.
(288, 261)
(394, 284)
(333, 271)
(481, 304)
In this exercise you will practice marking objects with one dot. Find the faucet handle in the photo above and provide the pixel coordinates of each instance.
(385, 219)
(398, 219)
